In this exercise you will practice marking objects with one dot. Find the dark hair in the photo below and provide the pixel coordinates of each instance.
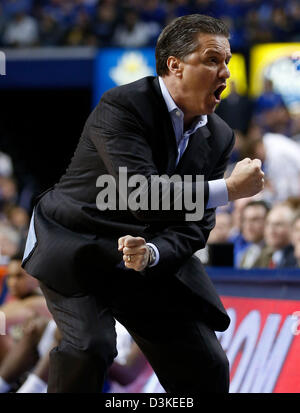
(179, 38)
(18, 256)
(259, 202)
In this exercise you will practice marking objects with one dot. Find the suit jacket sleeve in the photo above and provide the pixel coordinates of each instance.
(122, 140)
(178, 242)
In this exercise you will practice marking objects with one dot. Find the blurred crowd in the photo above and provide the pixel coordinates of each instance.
(263, 231)
(136, 23)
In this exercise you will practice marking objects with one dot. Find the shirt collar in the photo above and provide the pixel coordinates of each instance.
(201, 120)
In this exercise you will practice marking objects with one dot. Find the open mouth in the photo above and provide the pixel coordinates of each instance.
(218, 92)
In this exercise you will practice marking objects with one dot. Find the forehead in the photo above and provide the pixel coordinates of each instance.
(279, 215)
(223, 218)
(211, 43)
(254, 210)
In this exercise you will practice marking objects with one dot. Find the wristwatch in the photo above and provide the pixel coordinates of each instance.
(152, 255)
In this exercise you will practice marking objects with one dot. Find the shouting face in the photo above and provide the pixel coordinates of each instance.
(201, 76)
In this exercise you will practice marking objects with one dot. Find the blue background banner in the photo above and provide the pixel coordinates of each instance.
(116, 66)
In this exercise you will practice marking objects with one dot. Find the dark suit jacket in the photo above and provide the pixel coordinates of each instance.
(288, 259)
(130, 127)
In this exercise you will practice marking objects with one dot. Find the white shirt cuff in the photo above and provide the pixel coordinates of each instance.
(31, 238)
(218, 193)
(156, 253)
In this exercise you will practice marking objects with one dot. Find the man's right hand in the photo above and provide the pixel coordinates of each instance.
(247, 179)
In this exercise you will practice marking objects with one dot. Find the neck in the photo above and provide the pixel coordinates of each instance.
(176, 94)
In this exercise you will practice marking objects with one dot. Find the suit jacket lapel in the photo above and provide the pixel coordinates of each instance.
(196, 155)
(167, 130)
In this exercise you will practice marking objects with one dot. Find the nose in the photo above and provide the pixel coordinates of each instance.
(224, 72)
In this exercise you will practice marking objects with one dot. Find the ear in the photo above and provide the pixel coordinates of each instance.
(175, 66)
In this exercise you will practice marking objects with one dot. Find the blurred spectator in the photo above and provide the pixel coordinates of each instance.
(19, 220)
(6, 166)
(153, 11)
(219, 235)
(236, 109)
(221, 231)
(250, 21)
(236, 236)
(293, 202)
(237, 152)
(10, 241)
(257, 30)
(295, 131)
(219, 248)
(268, 99)
(81, 33)
(8, 191)
(135, 33)
(50, 31)
(237, 33)
(37, 380)
(296, 238)
(22, 30)
(294, 7)
(253, 228)
(104, 23)
(62, 11)
(281, 26)
(11, 7)
(23, 302)
(29, 357)
(278, 252)
(275, 150)
(180, 8)
(205, 7)
(270, 112)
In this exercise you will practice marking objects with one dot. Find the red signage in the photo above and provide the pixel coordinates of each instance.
(262, 344)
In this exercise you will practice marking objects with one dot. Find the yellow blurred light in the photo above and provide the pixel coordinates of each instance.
(237, 68)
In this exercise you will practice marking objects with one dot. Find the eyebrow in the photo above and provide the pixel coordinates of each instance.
(215, 51)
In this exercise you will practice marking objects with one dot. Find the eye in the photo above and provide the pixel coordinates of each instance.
(213, 60)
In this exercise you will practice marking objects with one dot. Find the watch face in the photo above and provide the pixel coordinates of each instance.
(152, 255)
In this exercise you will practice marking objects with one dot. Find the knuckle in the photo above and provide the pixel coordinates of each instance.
(128, 242)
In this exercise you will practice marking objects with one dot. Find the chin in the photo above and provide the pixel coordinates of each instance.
(210, 109)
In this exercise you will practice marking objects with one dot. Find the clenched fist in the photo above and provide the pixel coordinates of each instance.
(247, 179)
(135, 252)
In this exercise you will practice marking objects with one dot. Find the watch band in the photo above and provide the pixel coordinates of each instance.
(152, 255)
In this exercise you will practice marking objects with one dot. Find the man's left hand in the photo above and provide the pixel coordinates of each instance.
(135, 252)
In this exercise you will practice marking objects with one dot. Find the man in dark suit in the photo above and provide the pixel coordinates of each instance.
(278, 251)
(92, 272)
